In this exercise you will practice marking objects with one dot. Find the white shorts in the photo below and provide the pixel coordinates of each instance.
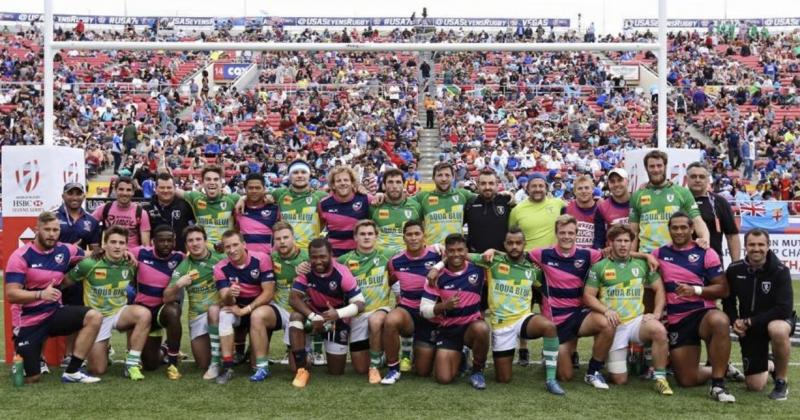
(109, 324)
(359, 326)
(198, 326)
(284, 322)
(506, 338)
(626, 334)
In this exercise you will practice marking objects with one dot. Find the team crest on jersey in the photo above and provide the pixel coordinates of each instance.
(87, 225)
(287, 200)
(332, 285)
(501, 210)
(172, 265)
(473, 279)
(383, 214)
(528, 274)
(376, 260)
(455, 199)
(309, 199)
(610, 274)
(59, 259)
(353, 265)
(635, 271)
(223, 205)
(176, 214)
(429, 264)
(670, 197)
(579, 263)
(433, 200)
(693, 258)
(254, 273)
(201, 205)
(266, 213)
(407, 213)
(766, 286)
(644, 200)
(503, 269)
(124, 274)
(100, 274)
(357, 206)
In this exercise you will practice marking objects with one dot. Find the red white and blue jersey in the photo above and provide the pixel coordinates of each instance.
(608, 213)
(693, 266)
(256, 223)
(411, 272)
(585, 218)
(336, 287)
(256, 270)
(35, 270)
(153, 275)
(467, 285)
(564, 278)
(340, 217)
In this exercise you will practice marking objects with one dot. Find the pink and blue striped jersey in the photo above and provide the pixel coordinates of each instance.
(36, 270)
(564, 278)
(153, 275)
(336, 287)
(339, 217)
(411, 272)
(693, 266)
(256, 223)
(608, 213)
(467, 285)
(256, 270)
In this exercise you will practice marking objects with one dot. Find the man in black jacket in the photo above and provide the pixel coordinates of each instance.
(166, 208)
(487, 215)
(760, 309)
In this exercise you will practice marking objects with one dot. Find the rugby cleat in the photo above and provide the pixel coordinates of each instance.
(596, 380)
(43, 368)
(721, 394)
(172, 373)
(318, 359)
(225, 377)
(524, 357)
(477, 381)
(212, 372)
(134, 373)
(301, 378)
(733, 374)
(662, 386)
(554, 387)
(260, 375)
(374, 376)
(780, 392)
(405, 364)
(78, 377)
(391, 377)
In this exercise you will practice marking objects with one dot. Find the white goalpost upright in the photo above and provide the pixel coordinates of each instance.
(50, 47)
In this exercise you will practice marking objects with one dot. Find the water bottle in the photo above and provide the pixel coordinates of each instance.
(18, 371)
(634, 359)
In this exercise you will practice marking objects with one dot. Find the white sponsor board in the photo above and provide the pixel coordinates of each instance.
(679, 159)
(785, 246)
(626, 71)
(34, 177)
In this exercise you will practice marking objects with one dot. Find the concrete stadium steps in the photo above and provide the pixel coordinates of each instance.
(429, 149)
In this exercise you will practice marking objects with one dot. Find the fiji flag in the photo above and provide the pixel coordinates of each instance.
(770, 215)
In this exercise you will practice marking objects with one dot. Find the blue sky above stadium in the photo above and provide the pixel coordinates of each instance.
(607, 14)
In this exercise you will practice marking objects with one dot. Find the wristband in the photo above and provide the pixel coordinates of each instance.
(348, 311)
(698, 290)
(314, 317)
(439, 266)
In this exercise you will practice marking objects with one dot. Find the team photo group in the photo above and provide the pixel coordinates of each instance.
(394, 285)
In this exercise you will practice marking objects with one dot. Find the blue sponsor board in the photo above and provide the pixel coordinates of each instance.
(705, 23)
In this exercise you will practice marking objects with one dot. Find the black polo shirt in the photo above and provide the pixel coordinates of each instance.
(177, 214)
(487, 222)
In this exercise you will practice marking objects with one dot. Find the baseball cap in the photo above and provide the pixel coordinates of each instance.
(73, 185)
(618, 171)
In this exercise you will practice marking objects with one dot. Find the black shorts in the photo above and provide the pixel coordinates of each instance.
(687, 331)
(423, 328)
(451, 338)
(755, 350)
(568, 330)
(28, 342)
(73, 295)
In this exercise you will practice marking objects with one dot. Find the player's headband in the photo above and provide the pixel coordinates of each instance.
(299, 166)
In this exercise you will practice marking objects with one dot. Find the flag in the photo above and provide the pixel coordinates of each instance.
(770, 215)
